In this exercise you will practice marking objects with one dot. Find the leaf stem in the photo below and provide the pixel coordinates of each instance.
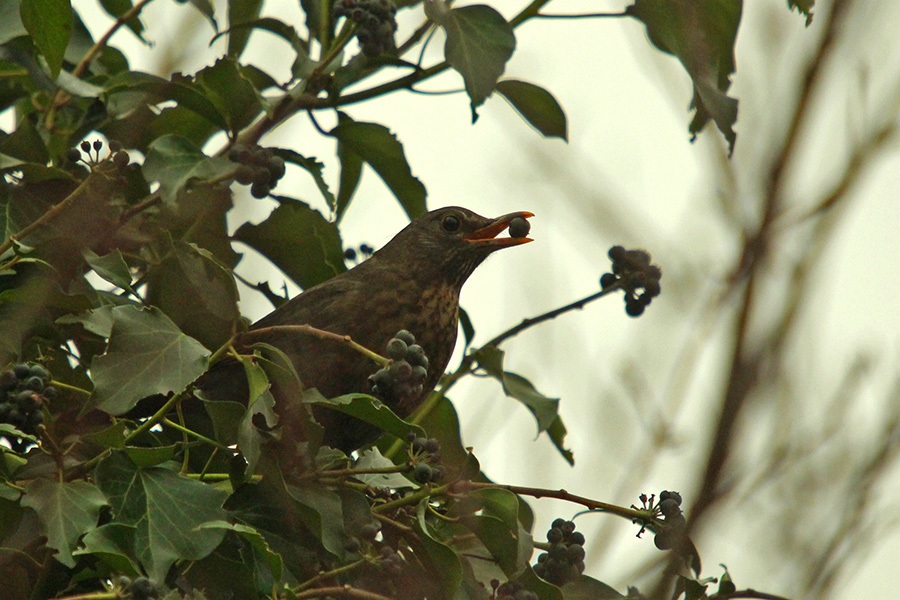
(158, 417)
(319, 333)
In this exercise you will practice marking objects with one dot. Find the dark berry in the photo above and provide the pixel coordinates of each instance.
(352, 544)
(50, 393)
(40, 371)
(98, 145)
(555, 535)
(418, 445)
(396, 349)
(400, 370)
(349, 254)
(26, 402)
(634, 308)
(15, 417)
(115, 146)
(121, 159)
(406, 336)
(244, 174)
(73, 155)
(8, 381)
(416, 355)
(369, 531)
(666, 495)
(432, 445)
(22, 371)
(366, 249)
(607, 279)
(568, 527)
(423, 473)
(558, 523)
(519, 227)
(616, 253)
(85, 146)
(141, 589)
(276, 167)
(36, 418)
(258, 190)
(261, 177)
(234, 153)
(575, 553)
(419, 374)
(35, 384)
(576, 538)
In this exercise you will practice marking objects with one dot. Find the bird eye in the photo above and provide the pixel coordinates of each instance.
(450, 223)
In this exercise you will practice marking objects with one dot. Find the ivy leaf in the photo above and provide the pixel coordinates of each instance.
(272, 559)
(114, 543)
(537, 106)
(445, 563)
(377, 146)
(314, 168)
(240, 12)
(544, 409)
(804, 7)
(67, 510)
(203, 304)
(117, 8)
(49, 23)
(166, 509)
(111, 267)
(147, 354)
(374, 459)
(173, 161)
(368, 409)
(233, 94)
(479, 42)
(298, 239)
(588, 588)
(701, 34)
(320, 510)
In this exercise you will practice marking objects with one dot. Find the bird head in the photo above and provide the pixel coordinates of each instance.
(453, 241)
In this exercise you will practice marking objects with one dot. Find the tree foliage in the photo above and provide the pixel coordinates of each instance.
(117, 284)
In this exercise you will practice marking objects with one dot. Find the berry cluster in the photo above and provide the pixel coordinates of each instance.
(564, 560)
(91, 150)
(405, 376)
(375, 23)
(391, 561)
(363, 252)
(24, 390)
(140, 588)
(671, 534)
(519, 227)
(260, 168)
(425, 454)
(632, 271)
(511, 590)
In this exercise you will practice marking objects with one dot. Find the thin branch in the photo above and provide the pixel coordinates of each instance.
(319, 333)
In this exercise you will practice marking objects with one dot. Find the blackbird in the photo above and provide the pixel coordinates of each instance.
(412, 283)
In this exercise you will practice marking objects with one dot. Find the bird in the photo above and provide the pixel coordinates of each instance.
(412, 283)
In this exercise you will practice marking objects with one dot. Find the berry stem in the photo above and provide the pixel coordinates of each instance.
(193, 433)
(156, 418)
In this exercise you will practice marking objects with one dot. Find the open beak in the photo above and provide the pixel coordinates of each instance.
(487, 236)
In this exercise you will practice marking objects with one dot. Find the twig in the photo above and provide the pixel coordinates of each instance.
(319, 333)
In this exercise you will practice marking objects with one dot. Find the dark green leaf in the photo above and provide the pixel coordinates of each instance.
(351, 172)
(321, 512)
(587, 588)
(240, 12)
(111, 437)
(442, 422)
(368, 409)
(378, 147)
(147, 355)
(479, 42)
(207, 10)
(67, 510)
(114, 544)
(167, 510)
(196, 292)
(373, 459)
(445, 562)
(804, 7)
(701, 34)
(146, 456)
(468, 329)
(726, 584)
(537, 106)
(557, 433)
(272, 559)
(49, 23)
(300, 242)
(117, 8)
(235, 97)
(174, 161)
(314, 168)
(111, 267)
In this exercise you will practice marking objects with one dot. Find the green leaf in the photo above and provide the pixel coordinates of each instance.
(114, 544)
(233, 94)
(173, 161)
(111, 267)
(166, 509)
(444, 561)
(117, 8)
(479, 42)
(49, 23)
(239, 12)
(587, 588)
(147, 355)
(368, 409)
(701, 34)
(804, 7)
(351, 173)
(196, 291)
(377, 146)
(537, 106)
(300, 242)
(314, 168)
(320, 510)
(67, 510)
(373, 459)
(207, 10)
(147, 456)
(468, 329)
(260, 547)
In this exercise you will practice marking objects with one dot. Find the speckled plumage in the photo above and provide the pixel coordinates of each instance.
(412, 283)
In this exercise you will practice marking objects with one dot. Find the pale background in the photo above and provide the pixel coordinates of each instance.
(639, 395)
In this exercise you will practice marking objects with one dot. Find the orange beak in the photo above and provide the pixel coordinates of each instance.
(488, 235)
